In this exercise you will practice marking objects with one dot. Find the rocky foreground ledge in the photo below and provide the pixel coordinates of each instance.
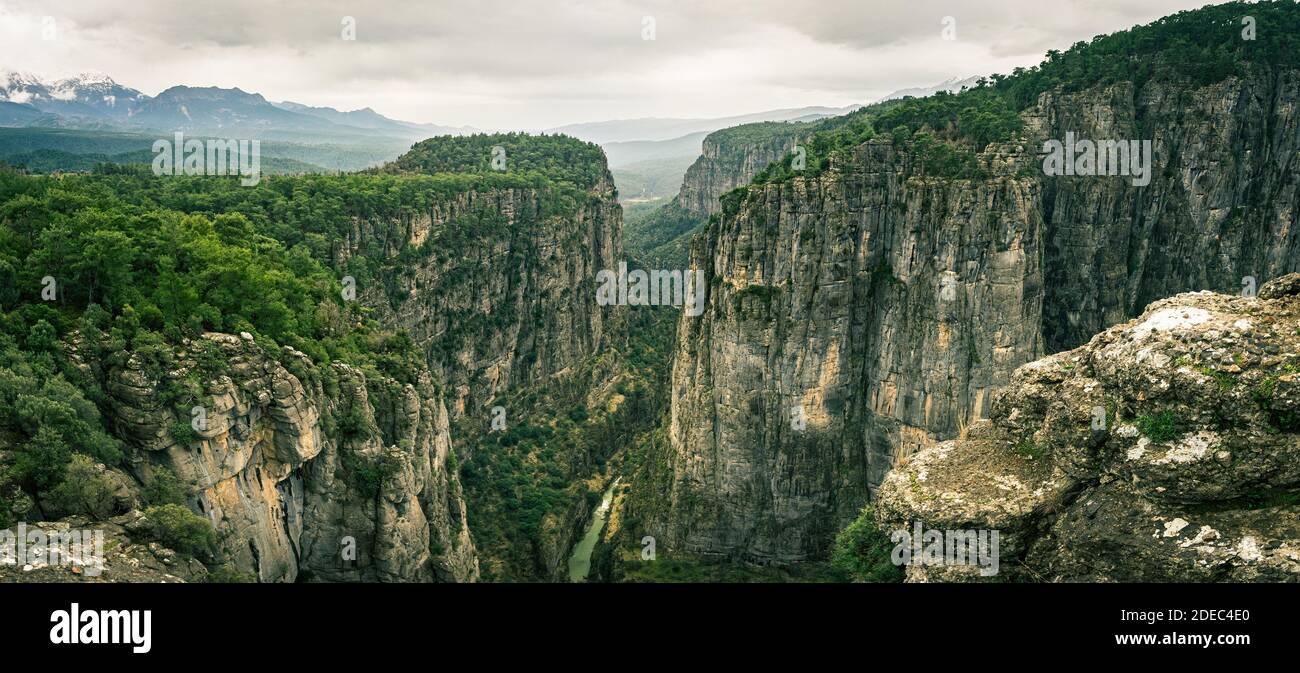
(1166, 449)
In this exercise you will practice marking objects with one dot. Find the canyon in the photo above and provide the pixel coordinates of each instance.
(429, 371)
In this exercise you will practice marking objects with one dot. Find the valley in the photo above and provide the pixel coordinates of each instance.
(418, 353)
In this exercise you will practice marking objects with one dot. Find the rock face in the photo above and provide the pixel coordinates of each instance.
(1165, 449)
(497, 287)
(882, 305)
(730, 159)
(513, 306)
(727, 162)
(287, 495)
(348, 474)
(119, 559)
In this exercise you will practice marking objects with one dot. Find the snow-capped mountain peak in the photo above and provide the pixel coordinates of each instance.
(91, 96)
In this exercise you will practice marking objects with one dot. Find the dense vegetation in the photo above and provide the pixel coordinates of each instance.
(946, 131)
(528, 485)
(660, 238)
(863, 551)
(130, 263)
(47, 150)
(558, 159)
(140, 265)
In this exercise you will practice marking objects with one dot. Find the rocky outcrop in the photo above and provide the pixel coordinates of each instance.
(730, 158)
(828, 346)
(76, 549)
(335, 475)
(511, 303)
(496, 285)
(885, 304)
(1165, 449)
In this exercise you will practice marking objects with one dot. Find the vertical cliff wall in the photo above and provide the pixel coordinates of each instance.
(290, 488)
(511, 302)
(730, 158)
(886, 302)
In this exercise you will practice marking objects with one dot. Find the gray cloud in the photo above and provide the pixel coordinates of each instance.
(533, 64)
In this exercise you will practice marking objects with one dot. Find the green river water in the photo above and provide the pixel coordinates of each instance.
(580, 560)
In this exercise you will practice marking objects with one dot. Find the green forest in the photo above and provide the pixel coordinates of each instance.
(125, 263)
(946, 130)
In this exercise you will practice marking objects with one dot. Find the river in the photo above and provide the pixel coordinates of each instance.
(580, 560)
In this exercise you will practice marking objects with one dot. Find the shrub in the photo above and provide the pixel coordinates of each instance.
(1026, 448)
(175, 526)
(184, 433)
(369, 472)
(1160, 427)
(164, 488)
(85, 489)
(42, 461)
(863, 551)
(227, 575)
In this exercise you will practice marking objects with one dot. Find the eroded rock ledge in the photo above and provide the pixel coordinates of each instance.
(296, 467)
(1165, 449)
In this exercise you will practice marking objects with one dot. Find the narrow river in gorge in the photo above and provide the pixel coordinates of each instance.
(580, 560)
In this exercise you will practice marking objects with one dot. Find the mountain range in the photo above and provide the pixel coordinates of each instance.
(648, 155)
(96, 102)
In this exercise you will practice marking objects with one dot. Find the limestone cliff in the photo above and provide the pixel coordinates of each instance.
(1165, 449)
(885, 301)
(509, 308)
(291, 490)
(730, 158)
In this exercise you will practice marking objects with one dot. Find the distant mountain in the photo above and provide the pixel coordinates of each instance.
(22, 114)
(96, 102)
(658, 128)
(621, 154)
(369, 119)
(217, 111)
(86, 96)
(950, 85)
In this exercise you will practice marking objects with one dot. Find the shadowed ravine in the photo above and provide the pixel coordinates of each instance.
(580, 560)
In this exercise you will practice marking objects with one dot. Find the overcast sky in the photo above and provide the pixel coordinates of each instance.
(531, 64)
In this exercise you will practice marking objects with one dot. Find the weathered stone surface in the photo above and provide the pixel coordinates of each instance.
(273, 483)
(1166, 449)
(889, 304)
(839, 300)
(511, 310)
(724, 165)
(123, 560)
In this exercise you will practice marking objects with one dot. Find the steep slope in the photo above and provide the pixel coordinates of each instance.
(86, 97)
(330, 331)
(1163, 450)
(345, 477)
(497, 283)
(881, 294)
(730, 158)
